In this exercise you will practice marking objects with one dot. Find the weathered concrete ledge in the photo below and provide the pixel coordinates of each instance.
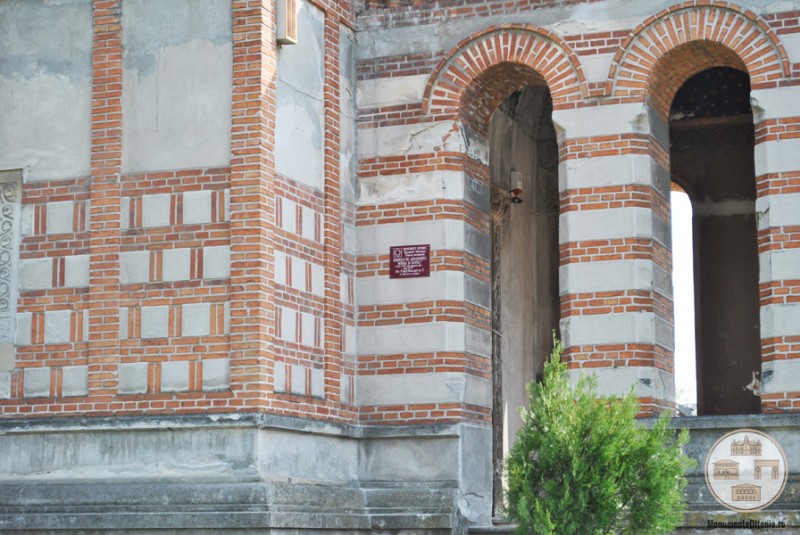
(218, 473)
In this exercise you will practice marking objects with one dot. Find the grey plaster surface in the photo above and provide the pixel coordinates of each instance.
(45, 83)
(177, 84)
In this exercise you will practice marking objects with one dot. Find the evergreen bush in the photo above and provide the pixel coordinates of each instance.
(583, 465)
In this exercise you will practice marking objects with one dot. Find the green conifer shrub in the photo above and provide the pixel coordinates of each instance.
(583, 464)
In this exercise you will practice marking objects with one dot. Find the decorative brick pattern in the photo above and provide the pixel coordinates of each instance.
(486, 56)
(738, 39)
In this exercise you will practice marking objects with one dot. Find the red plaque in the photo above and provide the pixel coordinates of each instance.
(407, 261)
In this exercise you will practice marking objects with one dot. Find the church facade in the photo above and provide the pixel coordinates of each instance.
(288, 265)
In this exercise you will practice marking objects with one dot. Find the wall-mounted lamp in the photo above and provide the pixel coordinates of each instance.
(516, 190)
(286, 13)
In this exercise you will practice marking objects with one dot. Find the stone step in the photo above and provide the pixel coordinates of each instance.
(495, 529)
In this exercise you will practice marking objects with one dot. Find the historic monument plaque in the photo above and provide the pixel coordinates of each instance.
(407, 261)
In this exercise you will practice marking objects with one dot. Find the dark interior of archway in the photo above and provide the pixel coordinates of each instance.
(525, 299)
(711, 155)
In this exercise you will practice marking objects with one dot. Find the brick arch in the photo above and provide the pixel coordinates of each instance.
(738, 36)
(487, 66)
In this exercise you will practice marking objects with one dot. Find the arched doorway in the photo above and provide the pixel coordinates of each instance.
(523, 156)
(711, 158)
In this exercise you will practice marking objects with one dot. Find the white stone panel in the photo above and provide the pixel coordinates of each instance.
(123, 322)
(308, 230)
(478, 341)
(35, 273)
(778, 210)
(280, 267)
(411, 187)
(217, 262)
(59, 217)
(645, 380)
(394, 91)
(155, 322)
(57, 326)
(155, 210)
(775, 103)
(440, 234)
(24, 326)
(308, 330)
(298, 385)
(606, 276)
(412, 338)
(777, 156)
(317, 383)
(5, 385)
(779, 376)
(317, 280)
(132, 378)
(26, 219)
(298, 274)
(280, 377)
(416, 388)
(288, 324)
(409, 139)
(175, 376)
(175, 264)
(75, 381)
(134, 267)
(36, 382)
(601, 120)
(196, 319)
(76, 271)
(596, 66)
(124, 213)
(622, 170)
(288, 215)
(622, 328)
(441, 285)
(607, 224)
(350, 340)
(780, 320)
(779, 265)
(196, 207)
(217, 374)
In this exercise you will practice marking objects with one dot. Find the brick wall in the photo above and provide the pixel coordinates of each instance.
(223, 288)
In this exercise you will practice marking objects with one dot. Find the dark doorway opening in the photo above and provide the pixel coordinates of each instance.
(523, 151)
(711, 158)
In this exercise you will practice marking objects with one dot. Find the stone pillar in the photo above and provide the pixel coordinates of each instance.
(424, 344)
(616, 290)
(777, 167)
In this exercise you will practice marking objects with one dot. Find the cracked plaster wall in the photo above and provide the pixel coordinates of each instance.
(177, 84)
(45, 83)
(300, 117)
